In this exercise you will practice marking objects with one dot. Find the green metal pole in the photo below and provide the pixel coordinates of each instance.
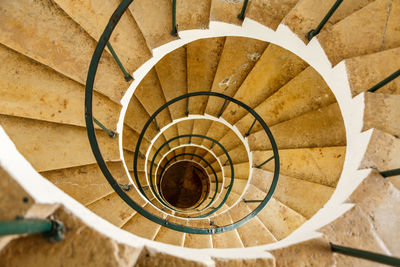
(51, 229)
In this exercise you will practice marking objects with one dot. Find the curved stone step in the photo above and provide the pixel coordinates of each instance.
(382, 112)
(31, 90)
(202, 61)
(154, 20)
(274, 69)
(304, 197)
(127, 39)
(376, 22)
(238, 57)
(229, 239)
(59, 42)
(319, 128)
(307, 14)
(193, 14)
(50, 146)
(304, 93)
(86, 183)
(198, 241)
(322, 165)
(280, 220)
(366, 71)
(269, 12)
(169, 236)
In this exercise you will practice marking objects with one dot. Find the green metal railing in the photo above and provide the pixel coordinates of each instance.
(243, 11)
(385, 81)
(328, 15)
(174, 30)
(51, 229)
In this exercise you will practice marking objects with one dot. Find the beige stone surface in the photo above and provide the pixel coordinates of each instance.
(269, 12)
(343, 232)
(113, 209)
(237, 155)
(381, 112)
(171, 71)
(170, 236)
(185, 127)
(198, 241)
(238, 57)
(380, 200)
(48, 35)
(347, 38)
(319, 128)
(80, 248)
(254, 232)
(127, 39)
(306, 15)
(15, 201)
(383, 152)
(276, 216)
(86, 183)
(226, 11)
(32, 90)
(202, 61)
(151, 257)
(366, 71)
(274, 69)
(300, 254)
(49, 146)
(140, 226)
(304, 93)
(321, 165)
(229, 239)
(192, 14)
(304, 197)
(154, 21)
(220, 262)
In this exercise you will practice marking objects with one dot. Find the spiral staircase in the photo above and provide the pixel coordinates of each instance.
(273, 124)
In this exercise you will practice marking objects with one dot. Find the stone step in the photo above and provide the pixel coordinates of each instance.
(377, 22)
(382, 154)
(254, 232)
(127, 39)
(304, 93)
(382, 112)
(239, 55)
(379, 199)
(154, 20)
(86, 183)
(343, 232)
(49, 146)
(67, 51)
(140, 226)
(273, 70)
(319, 128)
(229, 239)
(226, 11)
(169, 236)
(304, 197)
(193, 14)
(202, 61)
(280, 220)
(198, 241)
(366, 71)
(269, 12)
(32, 90)
(307, 14)
(322, 165)
(113, 209)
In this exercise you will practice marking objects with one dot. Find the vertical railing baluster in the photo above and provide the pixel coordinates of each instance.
(174, 30)
(127, 76)
(108, 131)
(222, 108)
(156, 124)
(265, 162)
(328, 15)
(187, 107)
(251, 127)
(243, 11)
(385, 81)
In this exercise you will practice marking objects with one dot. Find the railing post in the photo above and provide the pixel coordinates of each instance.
(265, 162)
(222, 108)
(156, 124)
(174, 30)
(187, 107)
(243, 11)
(390, 173)
(127, 76)
(385, 81)
(251, 127)
(108, 131)
(328, 15)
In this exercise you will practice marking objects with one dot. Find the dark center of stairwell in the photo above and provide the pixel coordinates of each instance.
(184, 184)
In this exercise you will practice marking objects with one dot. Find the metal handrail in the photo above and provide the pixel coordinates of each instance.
(328, 15)
(385, 81)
